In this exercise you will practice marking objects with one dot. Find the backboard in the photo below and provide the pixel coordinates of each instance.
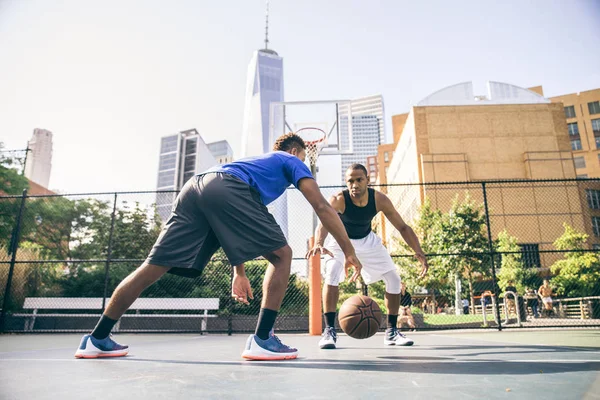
(331, 116)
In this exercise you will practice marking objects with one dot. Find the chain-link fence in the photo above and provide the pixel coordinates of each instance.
(490, 245)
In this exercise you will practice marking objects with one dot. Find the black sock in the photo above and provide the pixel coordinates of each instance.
(105, 325)
(266, 320)
(329, 319)
(392, 321)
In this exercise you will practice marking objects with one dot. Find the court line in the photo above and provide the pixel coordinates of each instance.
(311, 362)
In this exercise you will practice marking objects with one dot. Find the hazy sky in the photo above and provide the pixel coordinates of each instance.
(109, 78)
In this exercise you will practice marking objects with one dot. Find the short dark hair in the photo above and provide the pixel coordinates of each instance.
(289, 141)
(358, 166)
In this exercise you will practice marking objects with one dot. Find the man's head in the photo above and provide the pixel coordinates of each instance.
(546, 282)
(511, 282)
(357, 180)
(402, 286)
(291, 143)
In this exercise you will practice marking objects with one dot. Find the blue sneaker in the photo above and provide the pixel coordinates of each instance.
(270, 349)
(91, 347)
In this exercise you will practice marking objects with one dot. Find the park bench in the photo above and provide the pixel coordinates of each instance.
(37, 304)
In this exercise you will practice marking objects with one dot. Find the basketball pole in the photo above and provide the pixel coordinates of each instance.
(314, 279)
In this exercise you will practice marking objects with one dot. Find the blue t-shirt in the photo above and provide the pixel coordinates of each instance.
(270, 173)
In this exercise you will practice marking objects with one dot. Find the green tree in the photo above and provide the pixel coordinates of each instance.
(463, 230)
(11, 183)
(578, 274)
(511, 265)
(428, 228)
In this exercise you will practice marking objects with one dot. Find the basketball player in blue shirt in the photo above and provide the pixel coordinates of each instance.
(357, 206)
(227, 207)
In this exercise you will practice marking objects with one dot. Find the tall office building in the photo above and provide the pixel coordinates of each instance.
(182, 155)
(39, 159)
(371, 105)
(365, 140)
(264, 85)
(221, 151)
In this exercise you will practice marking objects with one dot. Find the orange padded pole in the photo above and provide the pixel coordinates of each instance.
(314, 292)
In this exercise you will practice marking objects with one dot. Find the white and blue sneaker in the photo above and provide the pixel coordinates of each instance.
(328, 339)
(269, 349)
(91, 347)
(393, 337)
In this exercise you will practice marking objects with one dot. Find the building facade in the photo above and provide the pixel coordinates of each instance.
(39, 157)
(264, 85)
(182, 155)
(509, 134)
(582, 112)
(365, 140)
(221, 151)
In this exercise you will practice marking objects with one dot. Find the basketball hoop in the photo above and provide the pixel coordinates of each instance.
(314, 139)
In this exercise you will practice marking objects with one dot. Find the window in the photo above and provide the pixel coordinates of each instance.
(593, 198)
(579, 162)
(386, 156)
(582, 176)
(576, 144)
(594, 107)
(573, 129)
(598, 143)
(596, 246)
(168, 144)
(167, 161)
(530, 254)
(596, 225)
(596, 127)
(570, 111)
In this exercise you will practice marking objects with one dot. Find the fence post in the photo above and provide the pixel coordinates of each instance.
(109, 252)
(12, 250)
(491, 251)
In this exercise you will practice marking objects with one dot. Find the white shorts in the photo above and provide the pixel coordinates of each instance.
(547, 299)
(373, 255)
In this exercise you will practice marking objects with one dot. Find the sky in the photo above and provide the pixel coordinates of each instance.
(109, 78)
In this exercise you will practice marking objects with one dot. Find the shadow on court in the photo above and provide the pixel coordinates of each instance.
(408, 364)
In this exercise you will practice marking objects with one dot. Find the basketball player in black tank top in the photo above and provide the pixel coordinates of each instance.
(357, 206)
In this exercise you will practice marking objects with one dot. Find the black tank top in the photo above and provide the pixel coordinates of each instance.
(357, 220)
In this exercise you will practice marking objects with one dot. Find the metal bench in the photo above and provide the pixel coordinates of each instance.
(95, 303)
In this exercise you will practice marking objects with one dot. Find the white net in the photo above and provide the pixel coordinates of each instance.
(315, 139)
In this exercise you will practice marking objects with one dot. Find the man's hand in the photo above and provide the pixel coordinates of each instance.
(423, 260)
(240, 289)
(352, 262)
(318, 249)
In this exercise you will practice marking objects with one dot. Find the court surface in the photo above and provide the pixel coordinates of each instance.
(513, 364)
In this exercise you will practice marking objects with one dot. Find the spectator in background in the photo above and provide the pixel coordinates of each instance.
(405, 314)
(510, 300)
(465, 306)
(545, 292)
(532, 301)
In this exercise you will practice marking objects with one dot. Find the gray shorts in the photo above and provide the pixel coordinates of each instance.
(211, 211)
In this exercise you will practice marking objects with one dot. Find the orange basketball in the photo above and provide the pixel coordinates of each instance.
(360, 317)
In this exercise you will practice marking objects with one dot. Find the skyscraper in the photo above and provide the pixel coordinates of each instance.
(365, 140)
(39, 159)
(264, 85)
(182, 155)
(371, 105)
